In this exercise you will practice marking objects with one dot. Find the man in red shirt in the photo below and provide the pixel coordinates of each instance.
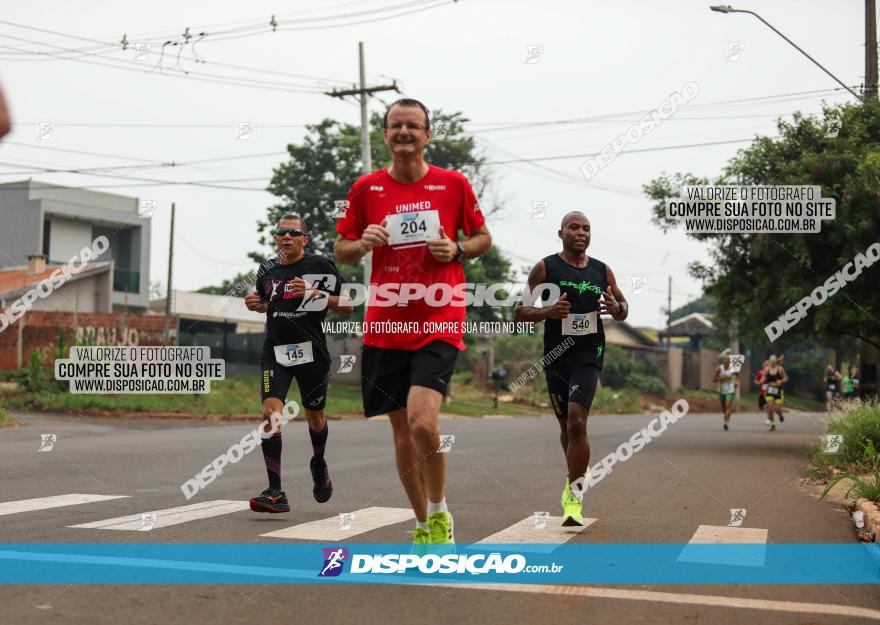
(409, 216)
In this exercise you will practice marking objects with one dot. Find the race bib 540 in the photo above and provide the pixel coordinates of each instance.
(579, 324)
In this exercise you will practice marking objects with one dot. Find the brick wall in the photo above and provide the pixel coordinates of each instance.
(40, 329)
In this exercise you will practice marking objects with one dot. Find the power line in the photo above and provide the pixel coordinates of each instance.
(202, 77)
(264, 25)
(617, 116)
(115, 45)
(144, 160)
(628, 151)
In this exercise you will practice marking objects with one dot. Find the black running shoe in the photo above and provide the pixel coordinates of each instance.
(781, 418)
(270, 500)
(725, 427)
(323, 485)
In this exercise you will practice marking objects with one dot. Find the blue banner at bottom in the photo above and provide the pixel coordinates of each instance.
(354, 563)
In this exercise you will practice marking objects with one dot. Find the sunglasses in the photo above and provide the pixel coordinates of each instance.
(294, 232)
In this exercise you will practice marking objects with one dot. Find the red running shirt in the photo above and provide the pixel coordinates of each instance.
(412, 210)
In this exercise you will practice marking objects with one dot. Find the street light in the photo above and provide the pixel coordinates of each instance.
(718, 8)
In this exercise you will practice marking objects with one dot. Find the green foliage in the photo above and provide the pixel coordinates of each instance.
(648, 384)
(859, 424)
(867, 487)
(37, 373)
(238, 286)
(703, 304)
(620, 366)
(491, 267)
(759, 276)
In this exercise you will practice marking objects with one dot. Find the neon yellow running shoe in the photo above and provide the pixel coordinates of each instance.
(567, 492)
(572, 509)
(440, 524)
(421, 541)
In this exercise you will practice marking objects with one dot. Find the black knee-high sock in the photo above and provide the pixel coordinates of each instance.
(272, 457)
(319, 440)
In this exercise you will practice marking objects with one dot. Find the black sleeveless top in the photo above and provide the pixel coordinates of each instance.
(830, 382)
(584, 288)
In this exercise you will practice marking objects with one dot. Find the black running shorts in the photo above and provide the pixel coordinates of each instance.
(578, 386)
(388, 374)
(311, 378)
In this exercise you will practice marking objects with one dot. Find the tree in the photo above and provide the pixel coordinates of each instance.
(755, 278)
(233, 286)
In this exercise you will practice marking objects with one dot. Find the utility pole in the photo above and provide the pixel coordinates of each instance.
(668, 313)
(870, 50)
(170, 267)
(363, 91)
(734, 349)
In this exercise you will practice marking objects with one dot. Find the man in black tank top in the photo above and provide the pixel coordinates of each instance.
(832, 386)
(775, 378)
(574, 344)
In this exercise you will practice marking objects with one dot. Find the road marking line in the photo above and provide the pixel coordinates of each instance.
(56, 501)
(546, 539)
(671, 597)
(170, 516)
(753, 539)
(365, 520)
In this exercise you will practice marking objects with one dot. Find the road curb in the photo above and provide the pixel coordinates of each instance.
(872, 515)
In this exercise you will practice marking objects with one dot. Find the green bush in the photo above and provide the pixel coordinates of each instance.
(621, 370)
(648, 384)
(37, 373)
(865, 487)
(859, 424)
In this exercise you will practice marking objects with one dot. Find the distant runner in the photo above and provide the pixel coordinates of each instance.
(759, 380)
(762, 388)
(727, 383)
(832, 386)
(588, 289)
(775, 378)
(295, 291)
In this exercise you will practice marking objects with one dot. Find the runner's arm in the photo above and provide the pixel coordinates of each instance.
(521, 312)
(717, 377)
(255, 302)
(477, 244)
(334, 304)
(5, 121)
(617, 298)
(784, 378)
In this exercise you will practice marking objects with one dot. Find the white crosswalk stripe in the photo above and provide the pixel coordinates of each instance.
(536, 538)
(362, 521)
(169, 516)
(753, 539)
(56, 501)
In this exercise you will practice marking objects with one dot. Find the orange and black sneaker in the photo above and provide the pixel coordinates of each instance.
(270, 500)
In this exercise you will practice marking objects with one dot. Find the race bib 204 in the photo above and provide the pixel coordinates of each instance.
(414, 228)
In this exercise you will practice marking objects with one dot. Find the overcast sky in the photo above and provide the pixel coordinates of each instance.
(606, 60)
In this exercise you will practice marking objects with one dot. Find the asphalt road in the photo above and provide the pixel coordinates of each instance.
(500, 471)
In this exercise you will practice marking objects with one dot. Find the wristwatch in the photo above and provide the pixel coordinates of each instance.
(460, 253)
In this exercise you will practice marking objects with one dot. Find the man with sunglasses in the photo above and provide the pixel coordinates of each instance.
(295, 291)
(409, 216)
